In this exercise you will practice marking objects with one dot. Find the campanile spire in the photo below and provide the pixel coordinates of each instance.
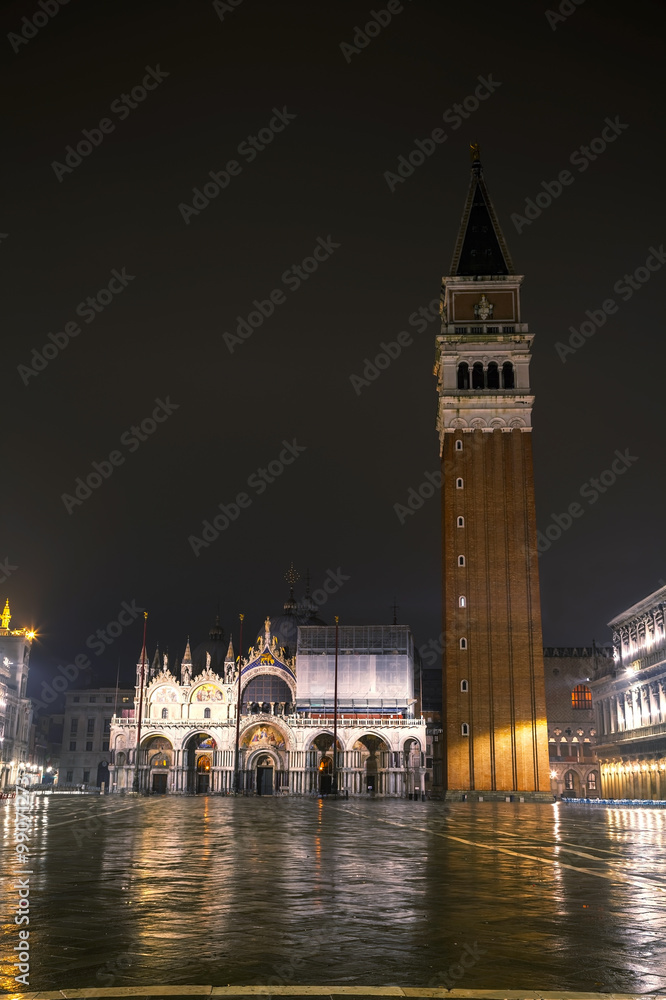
(480, 248)
(495, 717)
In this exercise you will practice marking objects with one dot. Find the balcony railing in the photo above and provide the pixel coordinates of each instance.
(629, 735)
(290, 720)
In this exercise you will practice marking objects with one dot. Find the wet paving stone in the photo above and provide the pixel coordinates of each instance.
(280, 892)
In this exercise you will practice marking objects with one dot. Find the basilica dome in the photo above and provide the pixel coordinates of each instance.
(285, 626)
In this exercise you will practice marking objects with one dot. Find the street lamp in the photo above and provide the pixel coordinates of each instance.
(334, 781)
(135, 786)
(238, 711)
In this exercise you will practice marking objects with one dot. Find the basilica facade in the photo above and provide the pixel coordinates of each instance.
(263, 723)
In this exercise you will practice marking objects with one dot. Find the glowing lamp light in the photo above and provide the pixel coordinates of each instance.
(553, 774)
(30, 635)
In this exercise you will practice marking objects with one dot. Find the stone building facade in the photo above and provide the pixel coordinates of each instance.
(572, 730)
(189, 725)
(86, 733)
(15, 706)
(629, 693)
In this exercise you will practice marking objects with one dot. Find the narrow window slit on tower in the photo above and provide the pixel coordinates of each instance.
(459, 484)
(461, 560)
(461, 522)
(462, 602)
(459, 445)
(464, 686)
(464, 729)
(463, 643)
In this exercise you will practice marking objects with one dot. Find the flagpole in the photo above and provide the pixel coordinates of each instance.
(138, 728)
(334, 783)
(238, 711)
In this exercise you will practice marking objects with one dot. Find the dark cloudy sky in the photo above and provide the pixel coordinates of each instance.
(321, 178)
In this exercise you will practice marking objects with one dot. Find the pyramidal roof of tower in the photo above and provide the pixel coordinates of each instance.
(480, 248)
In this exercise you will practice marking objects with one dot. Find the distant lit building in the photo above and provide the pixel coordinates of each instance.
(629, 694)
(46, 746)
(15, 707)
(572, 731)
(86, 731)
(285, 733)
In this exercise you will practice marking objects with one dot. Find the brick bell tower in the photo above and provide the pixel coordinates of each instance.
(494, 696)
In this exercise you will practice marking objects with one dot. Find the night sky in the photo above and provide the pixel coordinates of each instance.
(341, 118)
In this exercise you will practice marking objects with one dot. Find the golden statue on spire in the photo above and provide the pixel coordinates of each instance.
(475, 150)
(6, 615)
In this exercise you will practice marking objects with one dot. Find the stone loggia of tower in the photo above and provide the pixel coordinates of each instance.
(494, 698)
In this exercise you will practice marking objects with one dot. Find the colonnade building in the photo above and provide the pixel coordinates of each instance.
(191, 740)
(629, 694)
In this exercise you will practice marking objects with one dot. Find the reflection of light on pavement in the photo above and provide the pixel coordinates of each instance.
(317, 857)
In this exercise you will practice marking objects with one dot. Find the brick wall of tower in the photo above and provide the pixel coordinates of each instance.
(504, 706)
